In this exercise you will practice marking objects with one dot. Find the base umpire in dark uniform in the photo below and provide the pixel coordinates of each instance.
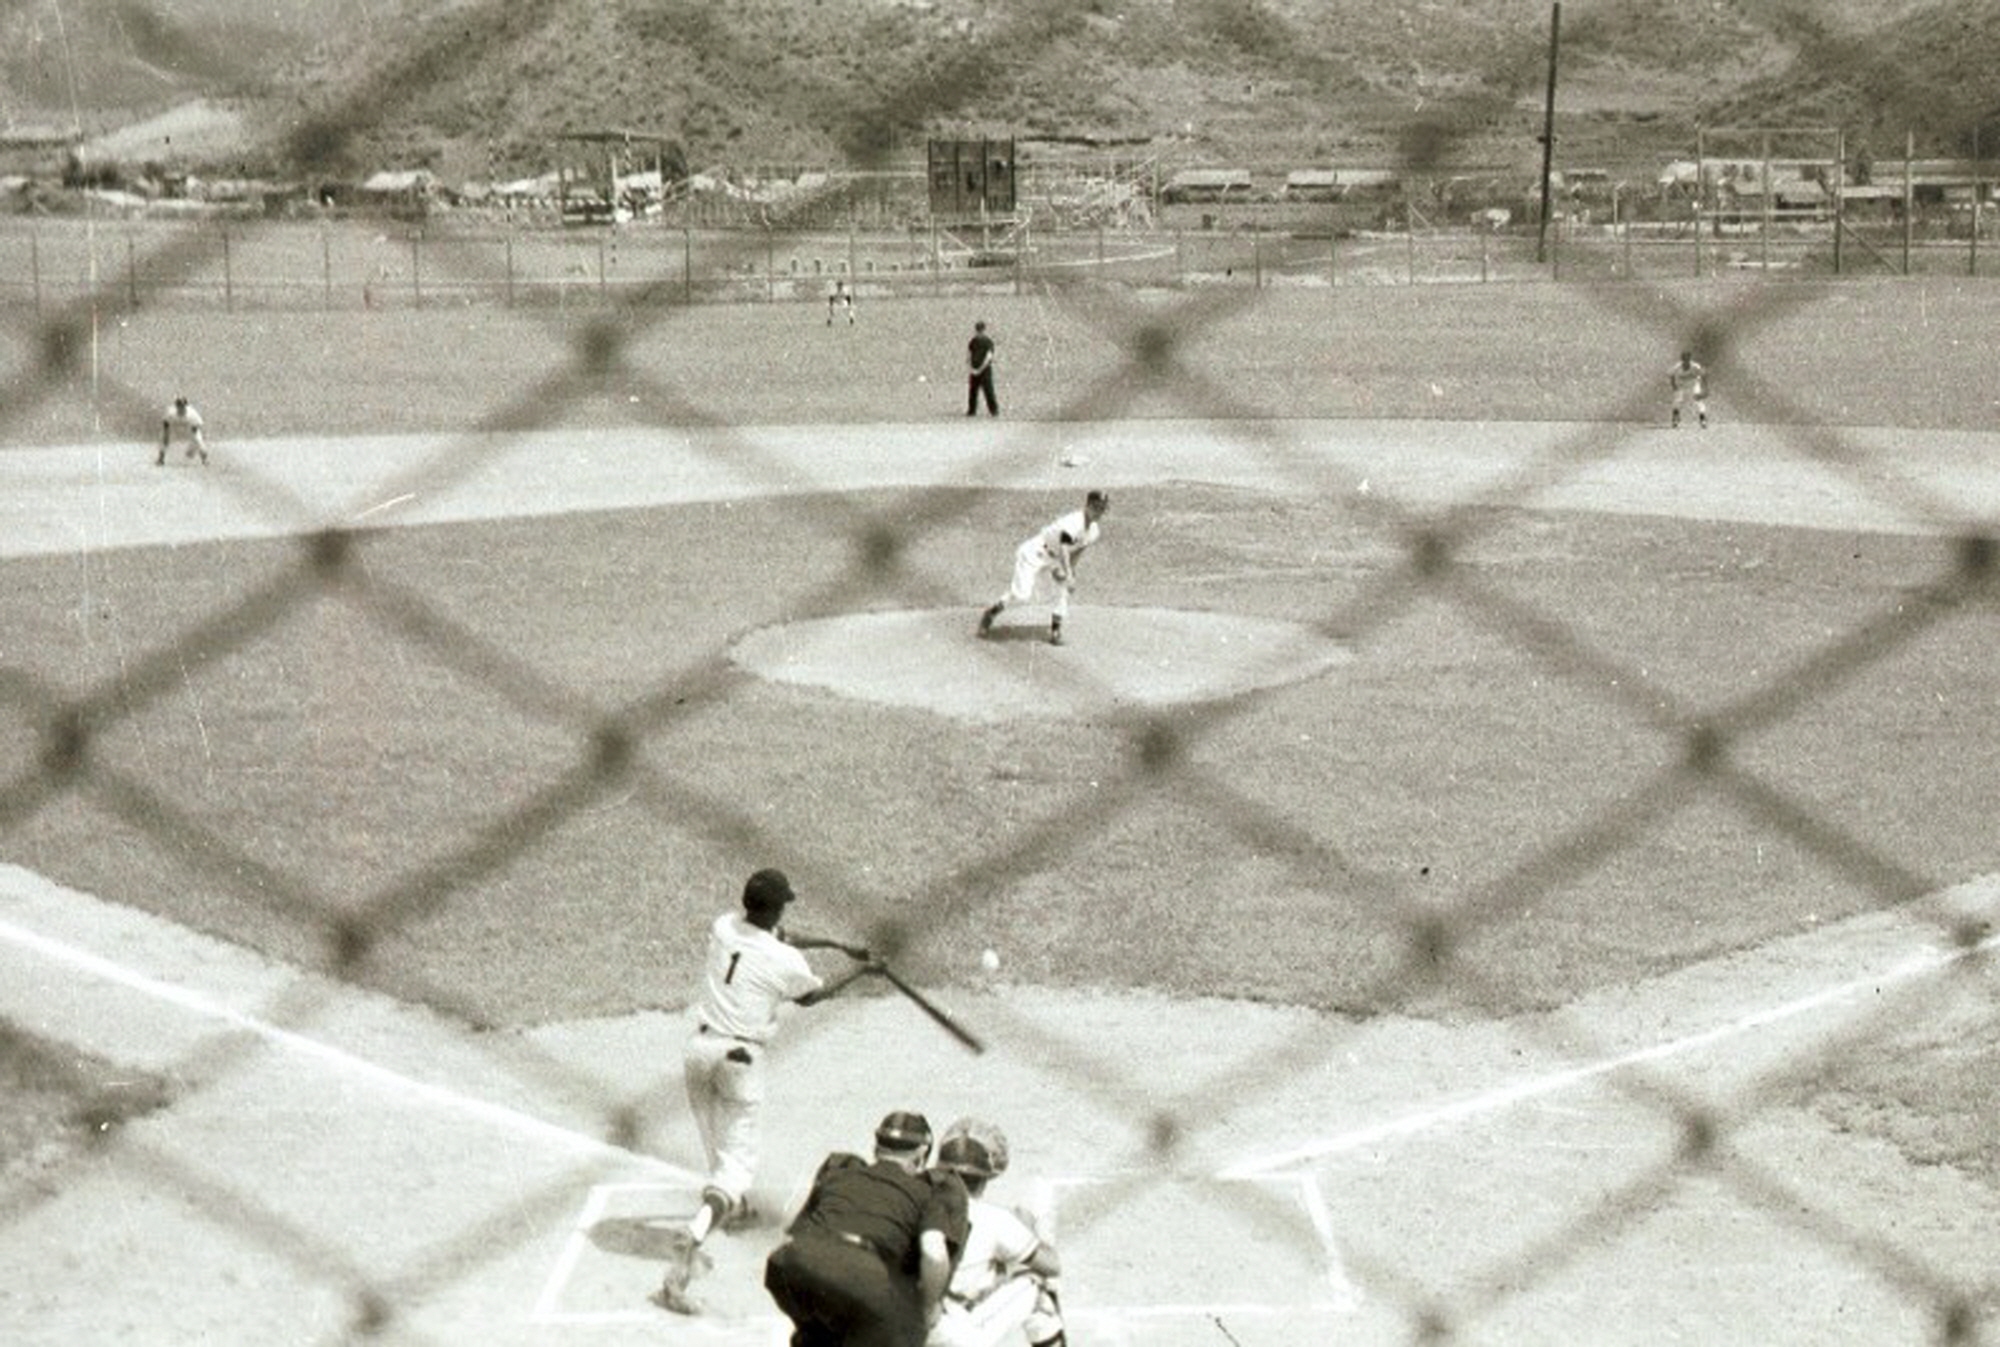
(867, 1259)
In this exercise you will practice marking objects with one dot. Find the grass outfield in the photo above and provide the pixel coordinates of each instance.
(1882, 353)
(1298, 828)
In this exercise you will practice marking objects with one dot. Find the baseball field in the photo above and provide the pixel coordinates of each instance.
(1484, 867)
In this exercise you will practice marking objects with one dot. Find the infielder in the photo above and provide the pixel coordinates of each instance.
(1004, 1281)
(1688, 379)
(979, 372)
(752, 968)
(183, 420)
(1052, 551)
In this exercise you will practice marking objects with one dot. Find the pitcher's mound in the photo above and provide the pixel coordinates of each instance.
(1112, 659)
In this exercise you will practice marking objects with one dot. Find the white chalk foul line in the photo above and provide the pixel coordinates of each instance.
(1492, 1101)
(285, 1039)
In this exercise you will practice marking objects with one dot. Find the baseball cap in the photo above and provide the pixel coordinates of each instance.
(903, 1132)
(767, 891)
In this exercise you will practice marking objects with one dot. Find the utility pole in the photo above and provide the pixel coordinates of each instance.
(1549, 131)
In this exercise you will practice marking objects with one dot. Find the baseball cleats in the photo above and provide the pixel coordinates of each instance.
(684, 1260)
(986, 620)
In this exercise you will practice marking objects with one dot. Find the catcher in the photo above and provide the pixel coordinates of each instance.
(1052, 551)
(1004, 1283)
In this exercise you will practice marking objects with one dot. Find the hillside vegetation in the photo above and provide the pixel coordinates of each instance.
(473, 85)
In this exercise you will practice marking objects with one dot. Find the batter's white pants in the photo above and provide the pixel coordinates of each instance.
(726, 1095)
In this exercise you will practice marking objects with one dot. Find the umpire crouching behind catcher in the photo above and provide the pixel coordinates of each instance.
(867, 1259)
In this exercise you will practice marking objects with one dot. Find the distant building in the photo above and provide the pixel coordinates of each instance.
(1209, 185)
(1313, 184)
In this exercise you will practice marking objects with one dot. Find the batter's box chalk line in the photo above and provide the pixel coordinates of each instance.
(563, 1302)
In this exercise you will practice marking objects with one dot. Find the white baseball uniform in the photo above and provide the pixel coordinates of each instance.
(183, 421)
(1054, 546)
(749, 972)
(992, 1295)
(1689, 380)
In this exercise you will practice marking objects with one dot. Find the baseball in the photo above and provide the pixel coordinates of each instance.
(989, 960)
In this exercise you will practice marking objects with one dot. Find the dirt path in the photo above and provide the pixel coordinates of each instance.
(63, 500)
(375, 1135)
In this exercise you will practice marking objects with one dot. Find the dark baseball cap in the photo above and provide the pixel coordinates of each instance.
(903, 1132)
(767, 891)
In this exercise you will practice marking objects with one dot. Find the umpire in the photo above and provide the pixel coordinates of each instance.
(869, 1255)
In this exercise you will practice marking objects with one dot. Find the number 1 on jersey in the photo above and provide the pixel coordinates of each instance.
(730, 976)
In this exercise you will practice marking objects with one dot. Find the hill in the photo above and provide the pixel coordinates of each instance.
(473, 86)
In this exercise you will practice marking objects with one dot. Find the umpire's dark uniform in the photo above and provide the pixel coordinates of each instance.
(847, 1274)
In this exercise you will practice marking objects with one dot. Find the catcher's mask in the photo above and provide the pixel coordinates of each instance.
(964, 1156)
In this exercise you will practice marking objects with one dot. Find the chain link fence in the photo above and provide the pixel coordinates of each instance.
(364, 264)
(577, 748)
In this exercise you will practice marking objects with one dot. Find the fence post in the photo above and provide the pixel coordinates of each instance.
(1333, 257)
(770, 267)
(131, 272)
(510, 266)
(1978, 192)
(1483, 273)
(416, 268)
(603, 283)
(1257, 259)
(35, 265)
(687, 263)
(228, 277)
(326, 265)
(1909, 197)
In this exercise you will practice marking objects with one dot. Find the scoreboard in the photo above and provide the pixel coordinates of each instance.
(970, 179)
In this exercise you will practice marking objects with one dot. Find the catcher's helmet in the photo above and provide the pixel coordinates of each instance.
(965, 1156)
(767, 891)
(904, 1132)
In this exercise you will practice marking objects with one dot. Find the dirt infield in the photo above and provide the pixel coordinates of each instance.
(1116, 659)
(360, 1133)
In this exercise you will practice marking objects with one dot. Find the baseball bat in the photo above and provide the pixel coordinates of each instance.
(932, 1009)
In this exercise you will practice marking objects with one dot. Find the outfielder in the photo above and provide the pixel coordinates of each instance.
(1004, 1281)
(1052, 551)
(183, 420)
(1688, 379)
(840, 298)
(753, 967)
